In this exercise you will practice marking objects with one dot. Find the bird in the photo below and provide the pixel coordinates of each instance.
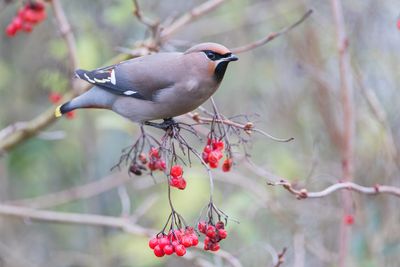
(154, 87)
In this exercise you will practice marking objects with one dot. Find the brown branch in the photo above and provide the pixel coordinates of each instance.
(281, 258)
(190, 16)
(350, 186)
(137, 11)
(247, 127)
(67, 34)
(347, 147)
(271, 36)
(80, 192)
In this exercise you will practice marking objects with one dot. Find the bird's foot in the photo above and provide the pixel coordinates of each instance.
(167, 124)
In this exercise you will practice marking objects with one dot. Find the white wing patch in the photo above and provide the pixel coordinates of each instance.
(90, 80)
(109, 77)
(129, 92)
(112, 77)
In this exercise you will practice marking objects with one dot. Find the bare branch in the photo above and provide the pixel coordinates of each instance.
(270, 36)
(190, 16)
(350, 186)
(281, 258)
(80, 192)
(347, 144)
(66, 32)
(248, 127)
(142, 18)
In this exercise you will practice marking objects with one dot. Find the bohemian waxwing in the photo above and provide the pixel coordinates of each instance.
(158, 86)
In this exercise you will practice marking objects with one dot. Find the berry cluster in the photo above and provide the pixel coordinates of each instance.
(27, 17)
(176, 179)
(212, 154)
(214, 234)
(155, 161)
(176, 241)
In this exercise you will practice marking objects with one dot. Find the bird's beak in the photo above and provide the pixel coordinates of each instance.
(232, 57)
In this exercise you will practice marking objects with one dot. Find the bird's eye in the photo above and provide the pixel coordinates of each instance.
(211, 55)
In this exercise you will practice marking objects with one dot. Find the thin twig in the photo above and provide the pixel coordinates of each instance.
(80, 192)
(281, 258)
(248, 127)
(67, 34)
(190, 16)
(142, 18)
(347, 144)
(350, 186)
(270, 36)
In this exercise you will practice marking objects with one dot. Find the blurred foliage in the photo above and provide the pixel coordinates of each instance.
(280, 82)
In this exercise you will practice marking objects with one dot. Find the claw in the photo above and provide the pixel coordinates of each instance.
(167, 124)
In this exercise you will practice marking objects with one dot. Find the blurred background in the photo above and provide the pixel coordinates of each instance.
(292, 84)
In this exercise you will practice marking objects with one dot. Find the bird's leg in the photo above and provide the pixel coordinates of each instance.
(168, 123)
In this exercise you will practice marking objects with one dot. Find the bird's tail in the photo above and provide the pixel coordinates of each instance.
(62, 109)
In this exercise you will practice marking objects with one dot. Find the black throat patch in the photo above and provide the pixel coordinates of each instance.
(220, 70)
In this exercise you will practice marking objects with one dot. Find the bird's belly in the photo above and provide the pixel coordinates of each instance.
(139, 110)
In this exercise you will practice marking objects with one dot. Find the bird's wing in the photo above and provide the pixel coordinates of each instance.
(140, 78)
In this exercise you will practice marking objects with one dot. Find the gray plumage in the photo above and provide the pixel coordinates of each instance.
(158, 86)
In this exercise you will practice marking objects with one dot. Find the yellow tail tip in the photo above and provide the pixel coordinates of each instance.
(57, 112)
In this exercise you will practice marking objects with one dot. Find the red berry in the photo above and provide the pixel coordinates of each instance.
(168, 249)
(175, 243)
(222, 233)
(30, 16)
(163, 241)
(38, 6)
(182, 184)
(154, 153)
(204, 155)
(40, 16)
(174, 182)
(213, 157)
(160, 165)
(180, 250)
(219, 225)
(153, 242)
(17, 21)
(195, 240)
(54, 97)
(70, 115)
(27, 27)
(152, 166)
(201, 226)
(158, 251)
(142, 158)
(176, 171)
(213, 165)
(214, 247)
(349, 219)
(226, 166)
(398, 24)
(186, 241)
(211, 231)
(11, 30)
(207, 149)
(218, 145)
